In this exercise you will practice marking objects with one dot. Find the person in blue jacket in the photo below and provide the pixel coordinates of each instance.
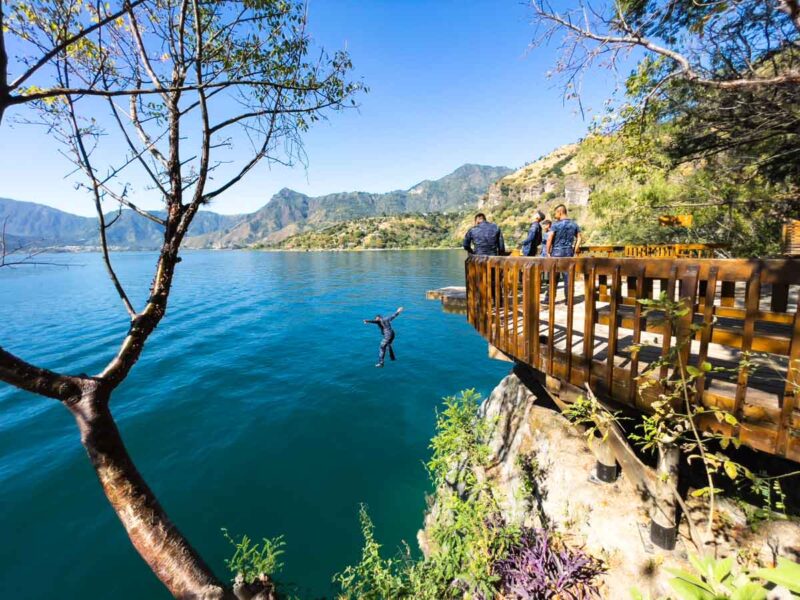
(545, 236)
(564, 241)
(385, 323)
(530, 245)
(484, 239)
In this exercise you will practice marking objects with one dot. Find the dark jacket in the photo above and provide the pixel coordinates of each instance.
(385, 323)
(530, 245)
(485, 239)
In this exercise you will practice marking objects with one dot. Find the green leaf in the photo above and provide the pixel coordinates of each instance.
(730, 419)
(722, 568)
(787, 574)
(730, 469)
(749, 591)
(689, 587)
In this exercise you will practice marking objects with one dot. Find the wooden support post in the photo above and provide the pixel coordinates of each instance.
(663, 519)
(606, 466)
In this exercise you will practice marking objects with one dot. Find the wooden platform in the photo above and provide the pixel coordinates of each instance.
(737, 307)
(453, 299)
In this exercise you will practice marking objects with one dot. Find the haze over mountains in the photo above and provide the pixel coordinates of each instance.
(286, 214)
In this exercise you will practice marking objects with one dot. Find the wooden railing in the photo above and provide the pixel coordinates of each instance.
(655, 250)
(739, 306)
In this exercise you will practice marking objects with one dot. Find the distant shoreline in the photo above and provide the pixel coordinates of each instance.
(97, 249)
(348, 249)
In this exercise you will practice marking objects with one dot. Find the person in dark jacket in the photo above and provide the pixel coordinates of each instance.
(484, 238)
(530, 246)
(385, 324)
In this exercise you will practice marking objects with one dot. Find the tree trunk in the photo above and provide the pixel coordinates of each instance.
(154, 536)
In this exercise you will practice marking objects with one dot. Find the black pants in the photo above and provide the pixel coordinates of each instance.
(386, 343)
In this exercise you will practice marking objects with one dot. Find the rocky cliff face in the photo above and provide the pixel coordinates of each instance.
(609, 520)
(544, 180)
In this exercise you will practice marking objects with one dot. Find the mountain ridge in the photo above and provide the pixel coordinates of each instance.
(287, 213)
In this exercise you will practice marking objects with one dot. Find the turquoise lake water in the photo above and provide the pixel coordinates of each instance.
(255, 406)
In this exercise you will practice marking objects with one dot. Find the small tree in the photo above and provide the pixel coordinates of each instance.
(717, 84)
(197, 78)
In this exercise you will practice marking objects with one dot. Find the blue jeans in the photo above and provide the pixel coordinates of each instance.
(386, 344)
(560, 253)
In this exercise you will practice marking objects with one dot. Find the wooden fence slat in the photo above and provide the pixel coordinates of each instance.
(688, 285)
(637, 339)
(570, 294)
(496, 302)
(666, 343)
(527, 312)
(616, 293)
(551, 317)
(535, 332)
(708, 325)
(792, 389)
(751, 306)
(515, 308)
(589, 279)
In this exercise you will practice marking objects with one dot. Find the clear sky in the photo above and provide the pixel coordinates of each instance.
(451, 82)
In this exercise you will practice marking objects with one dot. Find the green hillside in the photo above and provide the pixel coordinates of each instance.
(431, 230)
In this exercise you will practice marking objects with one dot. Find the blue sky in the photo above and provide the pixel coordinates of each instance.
(451, 82)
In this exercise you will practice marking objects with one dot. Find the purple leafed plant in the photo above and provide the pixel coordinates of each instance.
(540, 567)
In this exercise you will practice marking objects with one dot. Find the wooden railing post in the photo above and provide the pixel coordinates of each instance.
(605, 468)
(663, 518)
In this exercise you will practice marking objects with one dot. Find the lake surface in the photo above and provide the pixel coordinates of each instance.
(255, 406)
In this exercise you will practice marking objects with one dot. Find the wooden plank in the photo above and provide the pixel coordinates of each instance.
(551, 319)
(612, 327)
(589, 280)
(527, 312)
(496, 302)
(667, 341)
(792, 389)
(688, 297)
(708, 326)
(537, 297)
(753, 294)
(515, 309)
(570, 294)
(637, 339)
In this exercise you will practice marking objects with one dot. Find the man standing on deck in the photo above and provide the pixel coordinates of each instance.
(564, 241)
(484, 239)
(385, 323)
(530, 246)
(545, 236)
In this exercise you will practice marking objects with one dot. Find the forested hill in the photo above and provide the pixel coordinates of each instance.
(287, 213)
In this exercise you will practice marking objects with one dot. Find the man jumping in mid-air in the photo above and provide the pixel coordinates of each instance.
(385, 323)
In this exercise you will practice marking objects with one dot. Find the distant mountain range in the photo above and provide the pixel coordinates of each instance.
(286, 214)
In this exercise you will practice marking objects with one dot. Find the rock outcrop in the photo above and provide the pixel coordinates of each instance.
(541, 467)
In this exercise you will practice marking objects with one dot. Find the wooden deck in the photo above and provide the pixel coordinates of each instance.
(743, 306)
